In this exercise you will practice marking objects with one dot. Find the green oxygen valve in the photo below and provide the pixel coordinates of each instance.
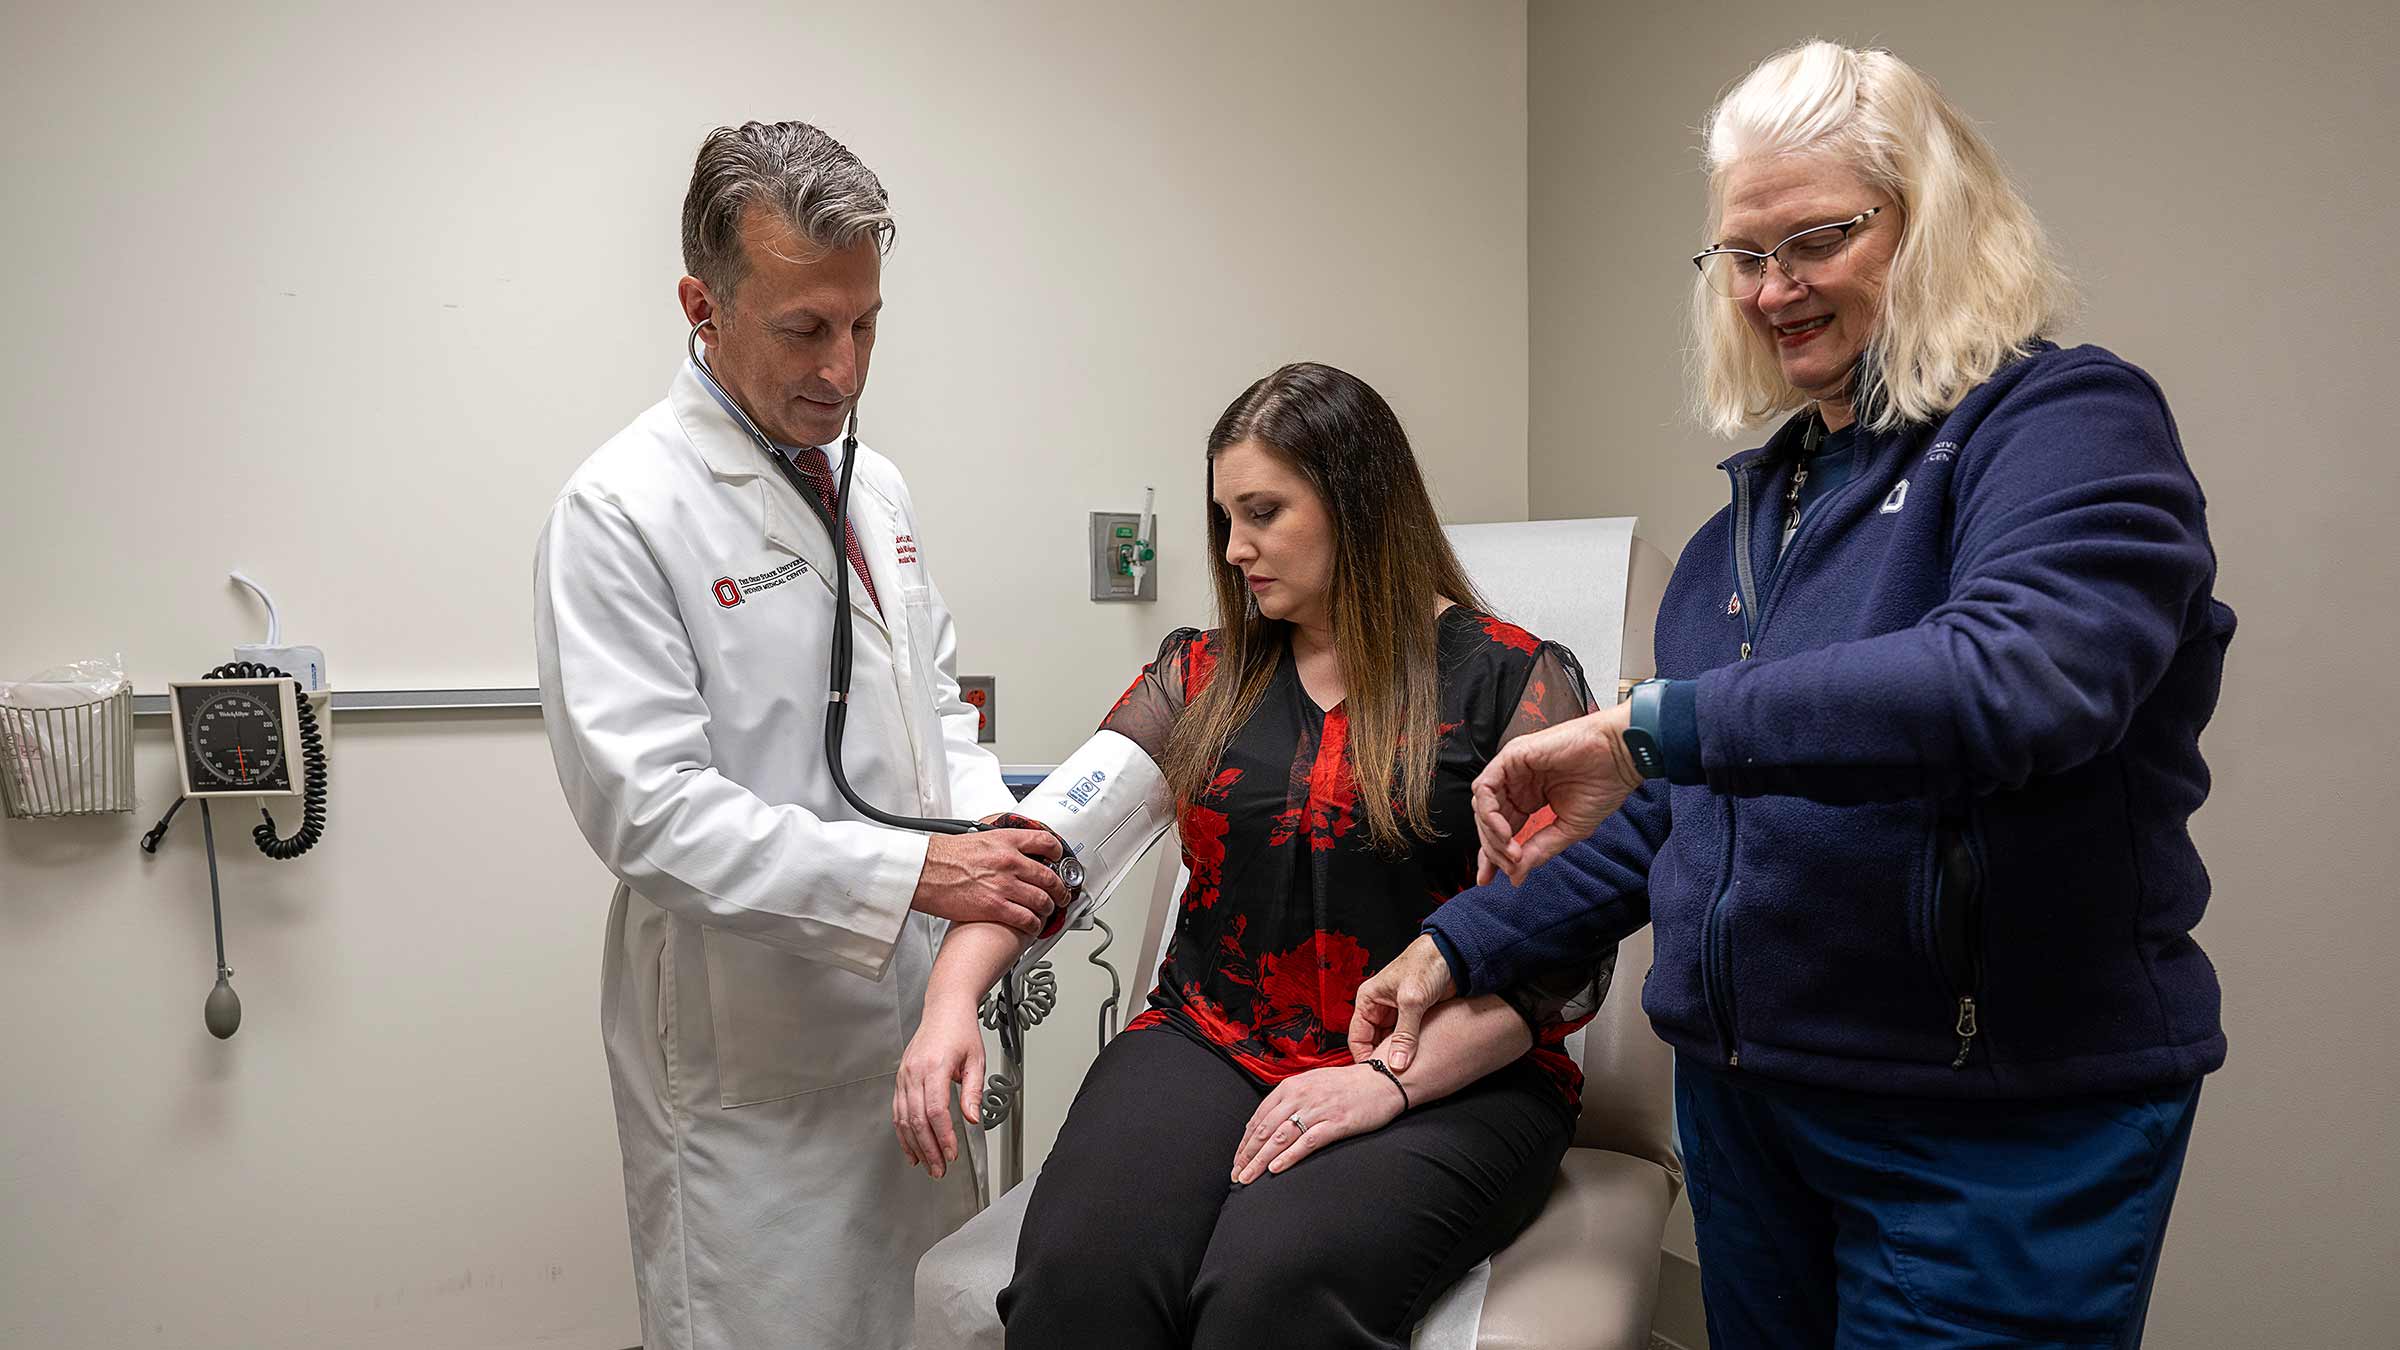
(1124, 552)
(1139, 553)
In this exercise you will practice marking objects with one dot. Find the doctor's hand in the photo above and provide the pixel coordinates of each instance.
(947, 1049)
(1390, 1007)
(992, 876)
(1581, 770)
(1307, 1111)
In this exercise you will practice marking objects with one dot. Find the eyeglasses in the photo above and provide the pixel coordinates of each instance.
(1738, 273)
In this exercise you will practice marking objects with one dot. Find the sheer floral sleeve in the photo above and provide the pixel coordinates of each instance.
(1555, 1002)
(1146, 714)
(1555, 691)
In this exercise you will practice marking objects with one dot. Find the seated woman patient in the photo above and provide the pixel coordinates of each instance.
(1228, 1175)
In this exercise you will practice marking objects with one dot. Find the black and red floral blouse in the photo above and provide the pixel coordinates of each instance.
(1291, 904)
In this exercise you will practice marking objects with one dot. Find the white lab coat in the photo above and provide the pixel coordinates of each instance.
(763, 971)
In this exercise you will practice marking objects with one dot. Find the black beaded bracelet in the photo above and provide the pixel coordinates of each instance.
(1386, 1070)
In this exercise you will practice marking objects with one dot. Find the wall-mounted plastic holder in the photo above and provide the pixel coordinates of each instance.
(64, 752)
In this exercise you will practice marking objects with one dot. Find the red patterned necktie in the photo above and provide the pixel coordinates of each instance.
(818, 471)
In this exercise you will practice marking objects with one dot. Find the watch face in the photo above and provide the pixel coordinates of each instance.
(233, 739)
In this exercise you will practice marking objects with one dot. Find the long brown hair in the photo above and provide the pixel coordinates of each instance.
(1391, 561)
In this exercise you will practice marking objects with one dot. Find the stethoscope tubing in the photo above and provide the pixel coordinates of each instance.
(837, 680)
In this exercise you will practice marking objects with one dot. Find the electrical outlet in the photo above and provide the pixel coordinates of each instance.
(1112, 576)
(980, 692)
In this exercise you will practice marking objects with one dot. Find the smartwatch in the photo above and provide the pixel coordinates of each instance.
(1642, 734)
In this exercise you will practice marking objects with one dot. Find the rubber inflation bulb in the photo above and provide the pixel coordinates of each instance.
(224, 1011)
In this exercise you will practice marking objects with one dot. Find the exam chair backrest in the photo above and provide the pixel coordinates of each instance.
(1628, 1072)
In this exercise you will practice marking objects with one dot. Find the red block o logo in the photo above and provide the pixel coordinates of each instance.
(728, 594)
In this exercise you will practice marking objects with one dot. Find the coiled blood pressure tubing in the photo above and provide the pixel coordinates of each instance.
(1106, 804)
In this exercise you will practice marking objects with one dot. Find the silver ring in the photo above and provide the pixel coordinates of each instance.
(1298, 1123)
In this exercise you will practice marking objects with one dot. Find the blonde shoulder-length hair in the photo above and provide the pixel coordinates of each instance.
(1973, 284)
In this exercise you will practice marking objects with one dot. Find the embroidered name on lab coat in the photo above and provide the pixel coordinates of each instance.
(731, 591)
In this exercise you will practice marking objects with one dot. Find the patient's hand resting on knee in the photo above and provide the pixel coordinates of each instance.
(1459, 1042)
(1310, 1110)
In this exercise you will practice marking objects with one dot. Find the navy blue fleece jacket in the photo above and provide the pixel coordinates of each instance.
(1934, 841)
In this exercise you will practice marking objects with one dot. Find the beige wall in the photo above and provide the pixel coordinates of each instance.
(2223, 181)
(342, 298)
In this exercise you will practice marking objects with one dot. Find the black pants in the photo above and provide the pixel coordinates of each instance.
(1137, 1237)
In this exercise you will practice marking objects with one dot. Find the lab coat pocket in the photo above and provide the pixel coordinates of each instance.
(785, 1025)
(916, 613)
(924, 646)
(919, 633)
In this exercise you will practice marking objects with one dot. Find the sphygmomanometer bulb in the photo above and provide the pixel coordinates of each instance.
(224, 1011)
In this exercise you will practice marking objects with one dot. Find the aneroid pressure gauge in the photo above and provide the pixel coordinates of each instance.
(238, 734)
(237, 737)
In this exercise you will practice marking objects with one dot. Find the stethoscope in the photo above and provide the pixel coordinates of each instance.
(837, 681)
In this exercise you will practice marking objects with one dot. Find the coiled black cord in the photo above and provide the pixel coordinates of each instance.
(312, 791)
(312, 751)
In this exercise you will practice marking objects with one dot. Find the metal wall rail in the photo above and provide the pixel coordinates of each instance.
(397, 700)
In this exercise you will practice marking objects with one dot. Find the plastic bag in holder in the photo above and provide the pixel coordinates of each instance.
(59, 758)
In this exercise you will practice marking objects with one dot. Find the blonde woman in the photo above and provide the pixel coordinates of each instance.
(1908, 817)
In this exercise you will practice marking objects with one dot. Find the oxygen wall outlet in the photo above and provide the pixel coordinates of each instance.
(1116, 544)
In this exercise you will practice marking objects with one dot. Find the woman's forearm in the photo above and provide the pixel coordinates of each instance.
(972, 960)
(1461, 1041)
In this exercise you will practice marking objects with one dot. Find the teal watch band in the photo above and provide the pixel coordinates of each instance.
(1642, 734)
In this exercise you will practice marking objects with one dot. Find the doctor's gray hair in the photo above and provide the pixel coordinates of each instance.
(821, 190)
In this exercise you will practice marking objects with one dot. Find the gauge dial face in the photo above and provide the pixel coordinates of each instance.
(233, 740)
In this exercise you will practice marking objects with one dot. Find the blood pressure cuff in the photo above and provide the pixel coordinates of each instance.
(1107, 804)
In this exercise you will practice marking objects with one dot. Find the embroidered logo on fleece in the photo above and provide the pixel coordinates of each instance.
(1892, 504)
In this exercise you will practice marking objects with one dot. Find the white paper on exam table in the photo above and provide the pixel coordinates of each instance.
(1563, 580)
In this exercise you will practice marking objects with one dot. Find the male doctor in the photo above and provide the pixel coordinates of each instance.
(767, 948)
